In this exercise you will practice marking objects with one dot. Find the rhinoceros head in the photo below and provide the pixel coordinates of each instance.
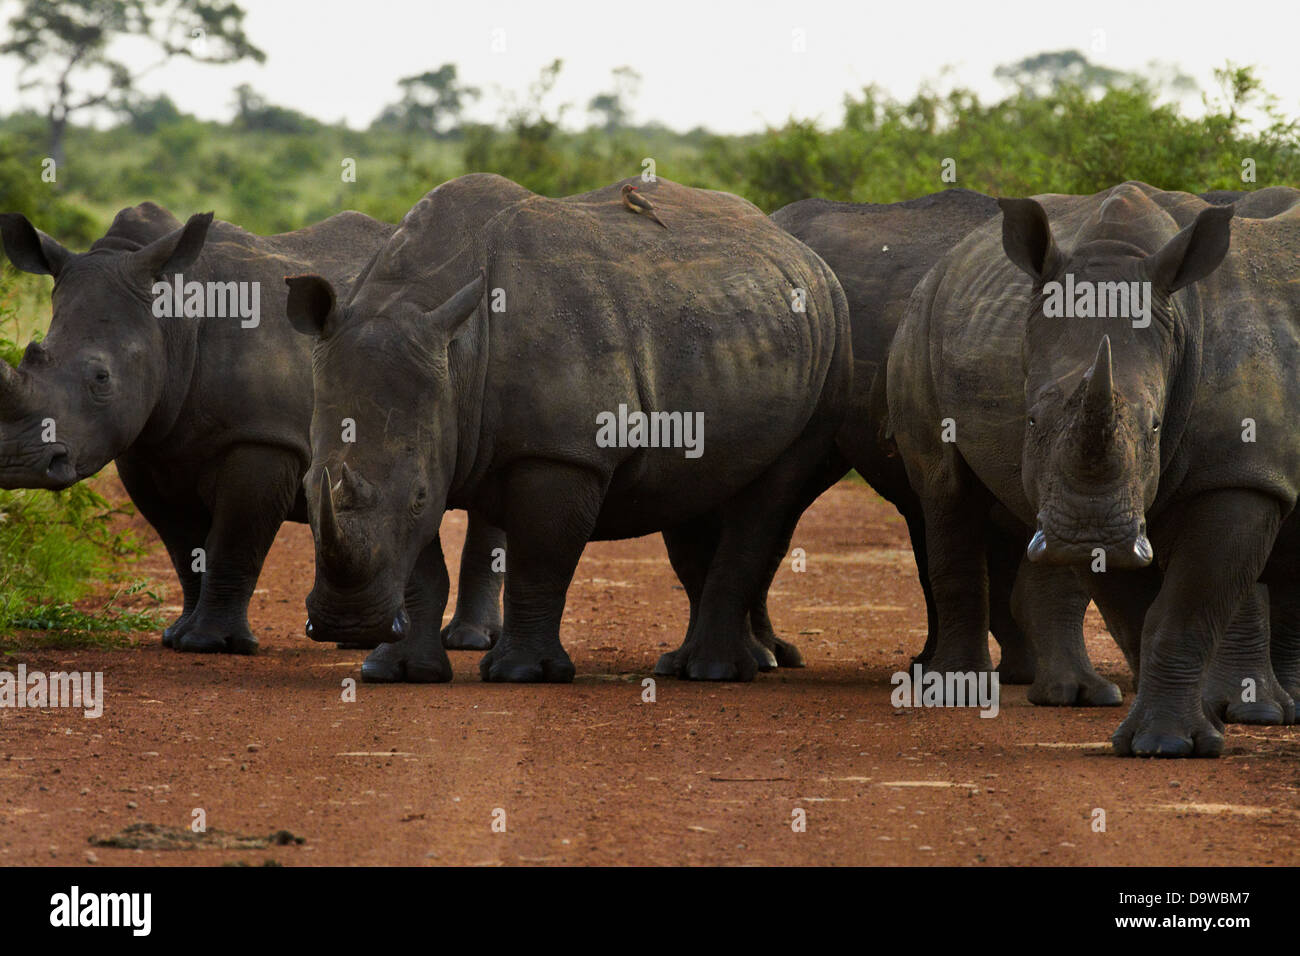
(82, 395)
(384, 438)
(1099, 378)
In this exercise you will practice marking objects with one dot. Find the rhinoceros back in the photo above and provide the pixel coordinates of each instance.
(590, 307)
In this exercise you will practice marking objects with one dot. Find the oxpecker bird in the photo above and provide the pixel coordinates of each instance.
(639, 204)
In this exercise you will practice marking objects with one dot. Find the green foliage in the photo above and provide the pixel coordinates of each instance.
(54, 546)
(22, 190)
(1061, 137)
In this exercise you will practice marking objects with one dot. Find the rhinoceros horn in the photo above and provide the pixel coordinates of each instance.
(460, 306)
(1099, 402)
(331, 535)
(349, 486)
(13, 391)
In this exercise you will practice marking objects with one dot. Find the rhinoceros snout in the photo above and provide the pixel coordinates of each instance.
(397, 627)
(59, 470)
(1128, 549)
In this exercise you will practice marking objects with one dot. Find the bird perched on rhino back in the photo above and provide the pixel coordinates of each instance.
(634, 201)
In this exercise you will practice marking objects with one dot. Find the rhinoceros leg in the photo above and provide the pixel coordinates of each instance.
(1016, 666)
(419, 658)
(183, 525)
(1241, 687)
(955, 536)
(1217, 545)
(756, 525)
(1017, 663)
(476, 623)
(691, 548)
(1049, 603)
(760, 625)
(252, 493)
(916, 532)
(1123, 608)
(1284, 625)
(834, 468)
(551, 510)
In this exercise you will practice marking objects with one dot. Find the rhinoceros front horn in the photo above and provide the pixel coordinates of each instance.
(331, 535)
(1099, 400)
(13, 389)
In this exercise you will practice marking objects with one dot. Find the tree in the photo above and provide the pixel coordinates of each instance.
(148, 114)
(428, 101)
(612, 106)
(1045, 73)
(253, 112)
(64, 48)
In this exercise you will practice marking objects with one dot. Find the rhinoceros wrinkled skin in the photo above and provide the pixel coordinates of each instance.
(207, 418)
(477, 357)
(1113, 437)
(879, 252)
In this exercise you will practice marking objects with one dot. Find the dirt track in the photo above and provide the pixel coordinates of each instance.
(589, 773)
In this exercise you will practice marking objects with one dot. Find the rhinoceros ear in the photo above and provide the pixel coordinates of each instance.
(30, 249)
(1027, 238)
(452, 314)
(175, 251)
(311, 305)
(1192, 254)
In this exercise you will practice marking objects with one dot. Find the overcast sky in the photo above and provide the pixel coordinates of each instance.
(729, 66)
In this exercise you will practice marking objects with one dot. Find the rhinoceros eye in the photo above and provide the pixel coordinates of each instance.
(1032, 421)
(100, 384)
(1155, 425)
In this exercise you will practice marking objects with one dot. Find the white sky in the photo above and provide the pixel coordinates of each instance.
(728, 66)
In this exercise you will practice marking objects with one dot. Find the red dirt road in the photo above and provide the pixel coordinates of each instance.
(590, 774)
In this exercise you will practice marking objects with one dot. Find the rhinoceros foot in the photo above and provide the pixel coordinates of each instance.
(982, 668)
(510, 662)
(172, 633)
(692, 661)
(464, 636)
(781, 652)
(1262, 701)
(1072, 690)
(1016, 666)
(409, 661)
(1162, 732)
(199, 640)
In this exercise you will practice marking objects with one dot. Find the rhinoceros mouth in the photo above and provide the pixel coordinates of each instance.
(48, 466)
(368, 631)
(1124, 544)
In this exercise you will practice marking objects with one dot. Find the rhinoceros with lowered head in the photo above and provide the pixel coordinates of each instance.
(1106, 363)
(570, 372)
